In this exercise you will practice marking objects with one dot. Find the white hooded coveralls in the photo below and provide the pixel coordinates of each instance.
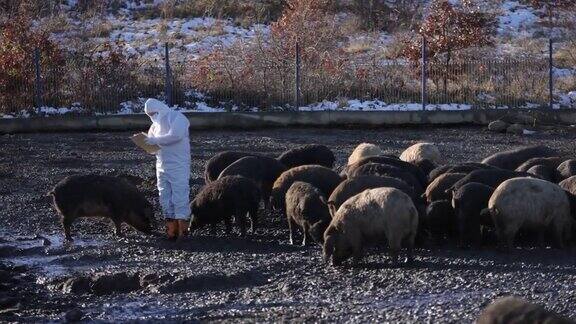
(169, 130)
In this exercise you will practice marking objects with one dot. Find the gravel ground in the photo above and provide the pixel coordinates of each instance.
(227, 278)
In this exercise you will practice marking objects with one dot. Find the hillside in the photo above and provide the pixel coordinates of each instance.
(198, 30)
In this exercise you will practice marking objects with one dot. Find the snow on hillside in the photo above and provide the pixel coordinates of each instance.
(516, 19)
(191, 37)
(194, 37)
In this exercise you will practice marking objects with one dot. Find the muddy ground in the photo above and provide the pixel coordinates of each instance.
(101, 277)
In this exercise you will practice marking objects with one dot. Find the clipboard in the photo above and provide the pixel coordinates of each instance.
(140, 141)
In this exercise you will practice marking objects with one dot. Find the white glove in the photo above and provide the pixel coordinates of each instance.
(151, 141)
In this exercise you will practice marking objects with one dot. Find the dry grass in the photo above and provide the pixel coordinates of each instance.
(565, 55)
(101, 29)
(358, 46)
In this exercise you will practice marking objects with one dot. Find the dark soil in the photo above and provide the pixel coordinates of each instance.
(228, 278)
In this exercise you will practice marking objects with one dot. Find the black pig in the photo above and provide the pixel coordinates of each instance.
(104, 196)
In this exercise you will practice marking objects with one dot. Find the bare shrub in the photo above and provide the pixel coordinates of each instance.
(98, 80)
(30, 8)
(385, 15)
(244, 12)
(18, 42)
(263, 69)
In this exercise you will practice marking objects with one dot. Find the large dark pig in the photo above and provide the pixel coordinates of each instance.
(320, 177)
(306, 208)
(262, 170)
(393, 161)
(440, 221)
(512, 159)
(311, 154)
(220, 161)
(425, 166)
(545, 172)
(436, 190)
(489, 177)
(227, 197)
(465, 167)
(102, 196)
(468, 203)
(552, 162)
(376, 169)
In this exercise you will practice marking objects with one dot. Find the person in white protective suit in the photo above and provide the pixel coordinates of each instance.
(169, 130)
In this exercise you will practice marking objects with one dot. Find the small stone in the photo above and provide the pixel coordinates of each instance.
(74, 315)
(498, 126)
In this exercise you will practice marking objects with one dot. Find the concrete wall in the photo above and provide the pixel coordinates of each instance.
(288, 119)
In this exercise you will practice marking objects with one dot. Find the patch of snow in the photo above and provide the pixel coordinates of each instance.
(528, 132)
(188, 38)
(563, 72)
(377, 105)
(568, 99)
(203, 107)
(516, 18)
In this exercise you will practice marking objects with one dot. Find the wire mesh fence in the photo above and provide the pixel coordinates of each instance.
(82, 86)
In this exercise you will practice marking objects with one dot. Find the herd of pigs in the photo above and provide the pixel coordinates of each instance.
(527, 193)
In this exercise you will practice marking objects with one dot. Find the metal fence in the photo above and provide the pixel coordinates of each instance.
(82, 87)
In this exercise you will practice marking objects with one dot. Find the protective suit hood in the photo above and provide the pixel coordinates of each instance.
(158, 107)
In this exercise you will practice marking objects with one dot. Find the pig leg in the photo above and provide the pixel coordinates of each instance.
(357, 256)
(508, 237)
(118, 228)
(242, 223)
(502, 235)
(228, 225)
(395, 244)
(253, 219)
(559, 235)
(292, 229)
(476, 233)
(410, 241)
(461, 230)
(266, 196)
(66, 224)
(305, 234)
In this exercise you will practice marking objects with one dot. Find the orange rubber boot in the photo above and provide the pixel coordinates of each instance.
(182, 228)
(171, 229)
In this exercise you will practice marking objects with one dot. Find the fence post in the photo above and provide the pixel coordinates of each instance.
(551, 74)
(168, 85)
(423, 75)
(297, 78)
(38, 80)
